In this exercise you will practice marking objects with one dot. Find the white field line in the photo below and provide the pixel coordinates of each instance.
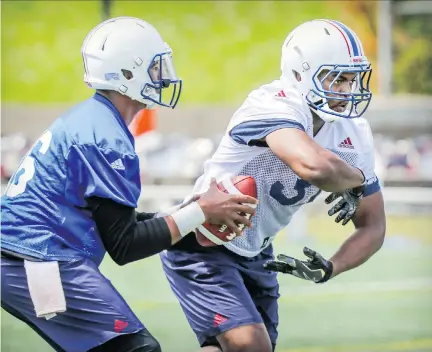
(288, 292)
(357, 287)
(411, 345)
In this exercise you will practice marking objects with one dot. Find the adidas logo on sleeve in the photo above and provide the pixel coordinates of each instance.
(118, 165)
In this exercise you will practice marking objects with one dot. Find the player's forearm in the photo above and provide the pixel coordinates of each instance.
(127, 235)
(129, 241)
(141, 216)
(313, 163)
(332, 174)
(357, 249)
(141, 239)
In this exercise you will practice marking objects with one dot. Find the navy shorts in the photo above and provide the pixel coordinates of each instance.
(219, 290)
(95, 311)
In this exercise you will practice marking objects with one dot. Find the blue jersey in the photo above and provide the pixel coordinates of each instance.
(87, 152)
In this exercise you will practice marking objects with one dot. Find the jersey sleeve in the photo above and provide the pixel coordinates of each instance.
(105, 173)
(253, 131)
(264, 115)
(372, 181)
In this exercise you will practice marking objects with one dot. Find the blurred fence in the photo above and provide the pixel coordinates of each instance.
(399, 116)
(398, 200)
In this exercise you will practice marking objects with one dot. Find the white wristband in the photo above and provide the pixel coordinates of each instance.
(189, 218)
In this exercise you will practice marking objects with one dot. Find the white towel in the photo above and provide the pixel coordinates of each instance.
(45, 286)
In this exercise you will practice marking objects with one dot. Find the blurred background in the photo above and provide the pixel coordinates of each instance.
(223, 50)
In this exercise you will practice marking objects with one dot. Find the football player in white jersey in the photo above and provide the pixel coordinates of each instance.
(296, 136)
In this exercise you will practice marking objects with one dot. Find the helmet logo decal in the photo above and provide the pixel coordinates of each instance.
(111, 75)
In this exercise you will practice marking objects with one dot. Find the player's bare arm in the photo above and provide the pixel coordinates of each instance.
(368, 237)
(313, 163)
(129, 236)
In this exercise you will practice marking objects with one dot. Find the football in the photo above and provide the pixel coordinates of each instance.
(212, 235)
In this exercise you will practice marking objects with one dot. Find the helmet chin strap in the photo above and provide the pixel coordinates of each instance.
(322, 114)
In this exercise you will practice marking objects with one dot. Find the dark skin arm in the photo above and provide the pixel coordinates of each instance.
(368, 237)
(311, 162)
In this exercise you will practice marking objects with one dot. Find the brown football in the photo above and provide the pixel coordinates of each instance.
(212, 235)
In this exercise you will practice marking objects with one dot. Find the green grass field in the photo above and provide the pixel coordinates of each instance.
(385, 305)
(222, 49)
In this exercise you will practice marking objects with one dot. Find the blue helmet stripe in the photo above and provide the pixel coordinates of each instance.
(356, 51)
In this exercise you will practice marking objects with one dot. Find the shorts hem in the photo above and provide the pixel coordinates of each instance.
(214, 331)
(109, 337)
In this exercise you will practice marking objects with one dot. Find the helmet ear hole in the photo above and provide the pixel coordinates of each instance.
(127, 74)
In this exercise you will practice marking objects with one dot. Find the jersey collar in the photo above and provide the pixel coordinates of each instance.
(105, 101)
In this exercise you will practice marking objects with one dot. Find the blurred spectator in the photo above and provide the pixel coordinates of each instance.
(13, 149)
(425, 164)
(403, 160)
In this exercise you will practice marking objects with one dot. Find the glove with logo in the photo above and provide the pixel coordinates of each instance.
(316, 268)
(347, 205)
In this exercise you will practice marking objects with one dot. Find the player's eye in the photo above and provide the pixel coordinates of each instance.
(155, 72)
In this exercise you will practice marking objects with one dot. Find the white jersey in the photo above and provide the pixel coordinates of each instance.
(280, 191)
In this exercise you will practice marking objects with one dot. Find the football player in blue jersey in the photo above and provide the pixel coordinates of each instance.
(74, 197)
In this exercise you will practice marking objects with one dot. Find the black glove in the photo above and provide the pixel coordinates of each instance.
(315, 269)
(347, 205)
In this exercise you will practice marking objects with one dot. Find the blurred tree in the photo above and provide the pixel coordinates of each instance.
(412, 44)
(413, 54)
(106, 9)
(222, 49)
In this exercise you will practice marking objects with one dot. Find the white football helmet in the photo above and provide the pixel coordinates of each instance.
(320, 45)
(128, 55)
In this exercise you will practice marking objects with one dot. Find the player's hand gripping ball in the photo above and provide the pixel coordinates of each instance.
(209, 235)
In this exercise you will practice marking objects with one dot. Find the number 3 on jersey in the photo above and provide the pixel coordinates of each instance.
(300, 186)
(26, 170)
